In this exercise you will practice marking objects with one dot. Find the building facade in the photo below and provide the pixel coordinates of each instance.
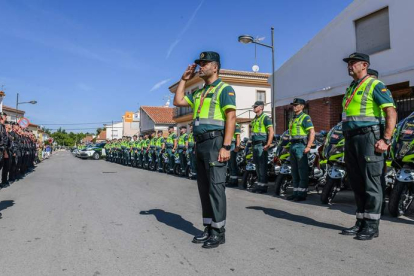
(114, 131)
(249, 87)
(318, 74)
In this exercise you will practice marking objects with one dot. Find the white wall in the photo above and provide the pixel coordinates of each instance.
(117, 131)
(146, 123)
(319, 63)
(245, 98)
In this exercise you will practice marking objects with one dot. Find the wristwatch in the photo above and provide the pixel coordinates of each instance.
(387, 141)
(226, 147)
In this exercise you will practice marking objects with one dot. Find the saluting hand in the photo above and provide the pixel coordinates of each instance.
(189, 72)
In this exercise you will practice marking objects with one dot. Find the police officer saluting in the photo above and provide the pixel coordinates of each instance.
(214, 121)
(302, 135)
(365, 105)
(262, 137)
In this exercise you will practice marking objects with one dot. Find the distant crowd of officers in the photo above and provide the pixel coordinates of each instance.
(141, 147)
(18, 151)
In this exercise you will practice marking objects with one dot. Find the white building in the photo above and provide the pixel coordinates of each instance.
(381, 28)
(114, 131)
(249, 87)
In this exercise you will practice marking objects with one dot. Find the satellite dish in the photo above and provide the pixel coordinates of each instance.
(255, 68)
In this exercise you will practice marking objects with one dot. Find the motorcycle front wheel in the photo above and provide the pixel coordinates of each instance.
(401, 200)
(330, 189)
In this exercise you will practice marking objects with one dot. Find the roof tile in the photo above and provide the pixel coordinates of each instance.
(160, 115)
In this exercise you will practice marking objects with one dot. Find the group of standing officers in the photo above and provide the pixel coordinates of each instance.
(18, 150)
(141, 148)
(369, 118)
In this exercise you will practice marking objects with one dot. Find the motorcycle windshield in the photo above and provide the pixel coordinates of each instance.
(334, 137)
(283, 142)
(403, 138)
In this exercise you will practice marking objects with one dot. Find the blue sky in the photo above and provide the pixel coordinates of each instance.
(90, 61)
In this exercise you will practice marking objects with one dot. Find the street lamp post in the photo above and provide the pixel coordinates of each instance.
(17, 104)
(246, 39)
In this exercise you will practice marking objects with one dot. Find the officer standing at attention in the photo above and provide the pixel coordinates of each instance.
(235, 147)
(171, 145)
(182, 142)
(302, 135)
(262, 138)
(214, 121)
(366, 103)
(160, 145)
(191, 153)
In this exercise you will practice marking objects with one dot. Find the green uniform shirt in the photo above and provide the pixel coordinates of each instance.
(382, 97)
(306, 123)
(227, 101)
(267, 122)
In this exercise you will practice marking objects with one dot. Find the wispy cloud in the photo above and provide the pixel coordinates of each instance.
(184, 30)
(159, 84)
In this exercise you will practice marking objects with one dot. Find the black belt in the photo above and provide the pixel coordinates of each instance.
(361, 130)
(297, 141)
(207, 135)
(258, 142)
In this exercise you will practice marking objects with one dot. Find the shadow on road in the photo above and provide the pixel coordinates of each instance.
(6, 204)
(296, 218)
(173, 220)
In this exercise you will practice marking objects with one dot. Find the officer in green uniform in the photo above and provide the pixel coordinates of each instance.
(302, 135)
(191, 153)
(235, 147)
(142, 150)
(182, 142)
(171, 146)
(152, 147)
(133, 152)
(145, 149)
(160, 145)
(367, 102)
(107, 150)
(262, 138)
(214, 121)
(139, 150)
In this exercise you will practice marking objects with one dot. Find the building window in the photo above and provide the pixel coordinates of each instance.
(261, 96)
(373, 32)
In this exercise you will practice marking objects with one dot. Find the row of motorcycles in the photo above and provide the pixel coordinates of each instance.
(149, 159)
(327, 169)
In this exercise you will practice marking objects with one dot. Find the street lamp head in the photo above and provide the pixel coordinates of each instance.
(246, 39)
(33, 102)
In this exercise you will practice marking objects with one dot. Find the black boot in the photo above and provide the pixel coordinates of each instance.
(291, 197)
(368, 232)
(354, 229)
(203, 237)
(215, 240)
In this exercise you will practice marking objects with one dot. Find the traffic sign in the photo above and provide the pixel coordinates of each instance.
(24, 122)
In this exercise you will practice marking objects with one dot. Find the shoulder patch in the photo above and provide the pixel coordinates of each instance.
(384, 90)
(231, 94)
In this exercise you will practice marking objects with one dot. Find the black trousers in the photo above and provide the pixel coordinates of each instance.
(13, 168)
(211, 180)
(364, 168)
(5, 166)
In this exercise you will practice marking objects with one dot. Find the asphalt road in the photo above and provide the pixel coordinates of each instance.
(85, 217)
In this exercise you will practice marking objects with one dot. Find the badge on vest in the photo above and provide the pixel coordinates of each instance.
(343, 116)
(197, 122)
